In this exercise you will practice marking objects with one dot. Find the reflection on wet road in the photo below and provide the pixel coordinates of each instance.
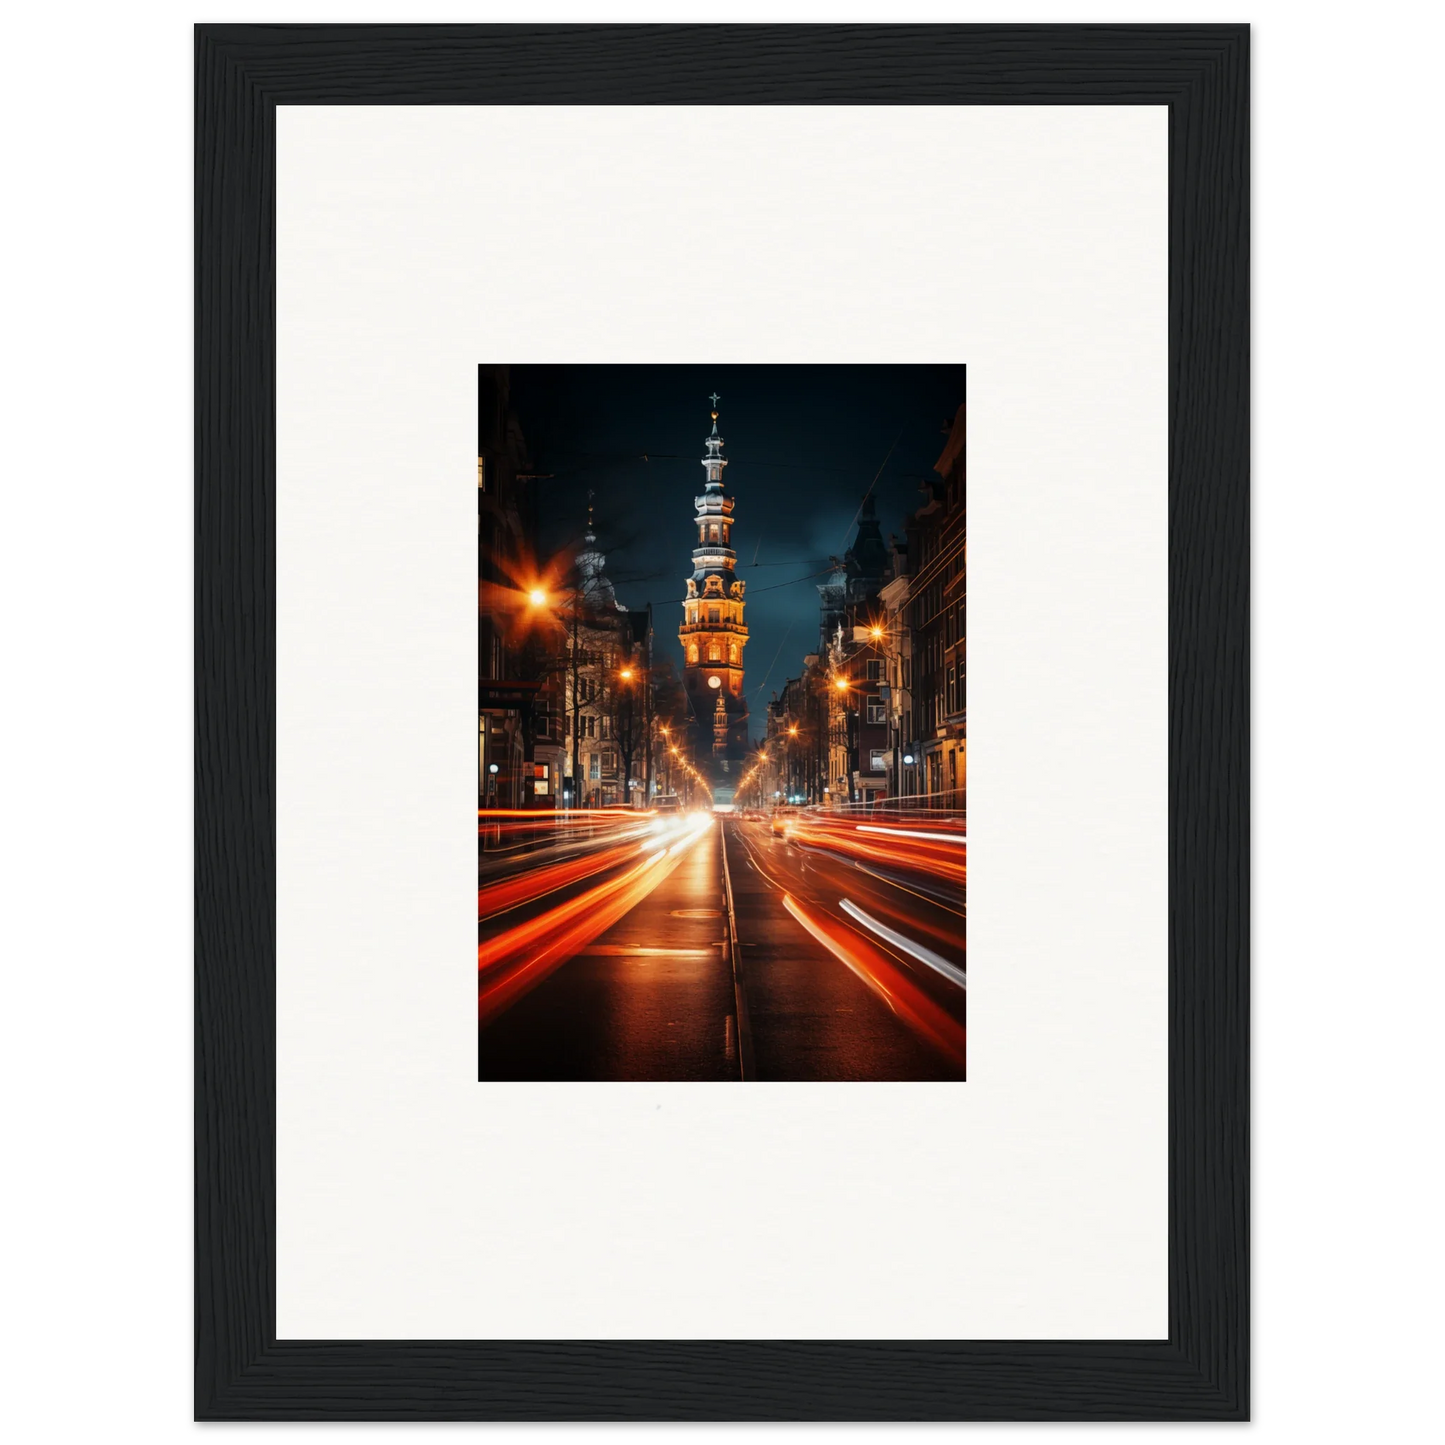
(706, 948)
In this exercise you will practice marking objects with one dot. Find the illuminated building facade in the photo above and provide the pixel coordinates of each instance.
(713, 633)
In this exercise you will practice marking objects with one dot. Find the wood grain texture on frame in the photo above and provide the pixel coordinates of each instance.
(242, 1371)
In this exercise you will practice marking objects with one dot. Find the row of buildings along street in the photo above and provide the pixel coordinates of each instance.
(584, 703)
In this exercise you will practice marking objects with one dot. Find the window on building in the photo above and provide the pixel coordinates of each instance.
(714, 654)
(952, 689)
(714, 614)
(875, 669)
(733, 653)
(876, 713)
(591, 727)
(594, 766)
(692, 653)
(875, 760)
(541, 717)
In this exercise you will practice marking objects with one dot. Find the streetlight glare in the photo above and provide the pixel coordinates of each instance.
(536, 597)
(841, 683)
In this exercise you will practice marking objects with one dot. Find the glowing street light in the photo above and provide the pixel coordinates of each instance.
(537, 597)
(841, 683)
(626, 674)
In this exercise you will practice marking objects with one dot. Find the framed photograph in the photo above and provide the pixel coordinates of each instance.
(740, 327)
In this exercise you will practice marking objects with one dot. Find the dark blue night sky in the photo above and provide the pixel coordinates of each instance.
(803, 444)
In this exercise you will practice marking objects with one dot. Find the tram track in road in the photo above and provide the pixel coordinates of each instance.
(747, 1065)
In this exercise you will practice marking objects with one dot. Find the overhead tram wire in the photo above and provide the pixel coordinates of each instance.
(871, 485)
(774, 662)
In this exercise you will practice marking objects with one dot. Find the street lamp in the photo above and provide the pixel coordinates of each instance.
(537, 597)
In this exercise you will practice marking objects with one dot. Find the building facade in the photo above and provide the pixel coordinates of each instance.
(938, 610)
(879, 712)
(797, 736)
(897, 693)
(599, 699)
(850, 621)
(519, 745)
(713, 633)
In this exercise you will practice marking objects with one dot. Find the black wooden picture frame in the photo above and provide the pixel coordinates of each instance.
(243, 1372)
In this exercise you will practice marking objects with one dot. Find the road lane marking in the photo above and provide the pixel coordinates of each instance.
(516, 961)
(949, 970)
(624, 950)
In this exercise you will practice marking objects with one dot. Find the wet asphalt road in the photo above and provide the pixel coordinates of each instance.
(811, 1017)
(653, 998)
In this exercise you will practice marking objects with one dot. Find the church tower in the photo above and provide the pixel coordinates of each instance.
(713, 633)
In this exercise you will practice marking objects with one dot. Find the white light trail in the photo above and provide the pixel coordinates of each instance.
(950, 971)
(913, 833)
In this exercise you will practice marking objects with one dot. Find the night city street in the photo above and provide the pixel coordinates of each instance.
(722, 733)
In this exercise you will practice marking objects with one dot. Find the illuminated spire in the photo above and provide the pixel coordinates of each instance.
(713, 633)
(714, 461)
